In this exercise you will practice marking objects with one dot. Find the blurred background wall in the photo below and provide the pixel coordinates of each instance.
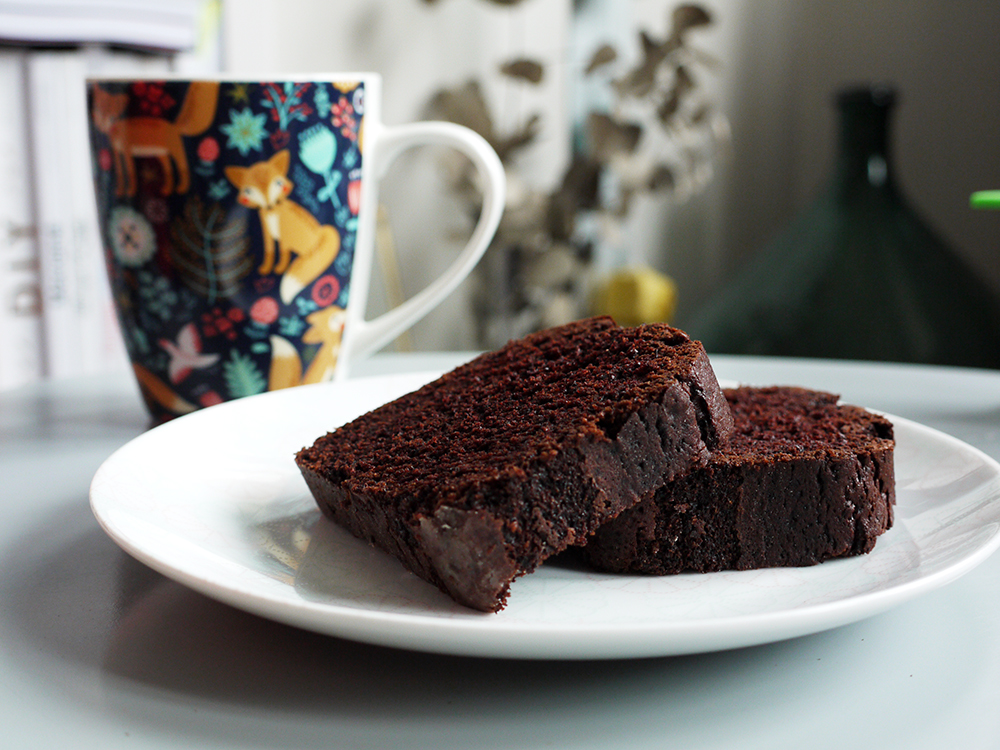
(784, 60)
(781, 62)
(419, 48)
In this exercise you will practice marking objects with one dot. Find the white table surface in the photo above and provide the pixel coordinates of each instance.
(98, 651)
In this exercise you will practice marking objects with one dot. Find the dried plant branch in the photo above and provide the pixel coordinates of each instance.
(604, 55)
(660, 136)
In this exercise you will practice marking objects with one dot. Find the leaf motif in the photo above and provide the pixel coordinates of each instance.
(700, 115)
(668, 107)
(662, 178)
(243, 378)
(641, 79)
(524, 69)
(683, 82)
(580, 189)
(209, 251)
(608, 137)
(687, 17)
(604, 55)
(519, 139)
(465, 105)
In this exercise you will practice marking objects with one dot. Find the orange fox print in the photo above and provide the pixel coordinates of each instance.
(326, 327)
(288, 228)
(132, 137)
(156, 392)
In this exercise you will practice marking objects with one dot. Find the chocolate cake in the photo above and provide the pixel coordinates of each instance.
(478, 477)
(801, 480)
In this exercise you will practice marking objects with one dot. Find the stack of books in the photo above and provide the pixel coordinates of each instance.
(56, 314)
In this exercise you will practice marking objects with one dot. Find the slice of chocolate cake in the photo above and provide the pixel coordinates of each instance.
(478, 477)
(801, 480)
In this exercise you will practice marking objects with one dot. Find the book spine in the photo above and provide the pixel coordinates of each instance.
(79, 329)
(48, 79)
(101, 342)
(106, 349)
(20, 295)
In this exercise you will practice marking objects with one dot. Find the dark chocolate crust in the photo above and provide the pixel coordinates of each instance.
(478, 477)
(802, 480)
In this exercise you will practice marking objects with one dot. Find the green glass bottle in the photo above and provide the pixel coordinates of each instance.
(858, 274)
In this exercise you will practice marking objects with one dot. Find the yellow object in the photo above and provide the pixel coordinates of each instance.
(633, 296)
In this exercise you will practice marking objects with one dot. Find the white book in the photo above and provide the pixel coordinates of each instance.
(102, 348)
(80, 333)
(105, 347)
(51, 76)
(20, 307)
(154, 24)
(74, 328)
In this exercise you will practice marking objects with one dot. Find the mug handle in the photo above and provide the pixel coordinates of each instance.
(362, 336)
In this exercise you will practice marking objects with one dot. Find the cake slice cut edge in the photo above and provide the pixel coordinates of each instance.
(804, 479)
(475, 479)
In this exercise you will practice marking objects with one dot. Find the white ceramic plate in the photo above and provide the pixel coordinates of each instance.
(214, 500)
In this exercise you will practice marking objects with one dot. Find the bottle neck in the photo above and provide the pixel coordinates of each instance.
(863, 150)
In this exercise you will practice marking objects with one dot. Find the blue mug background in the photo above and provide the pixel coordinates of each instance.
(229, 216)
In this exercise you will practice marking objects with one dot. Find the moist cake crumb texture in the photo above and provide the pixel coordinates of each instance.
(478, 477)
(801, 480)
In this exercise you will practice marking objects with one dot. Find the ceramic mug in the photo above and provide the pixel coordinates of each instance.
(238, 223)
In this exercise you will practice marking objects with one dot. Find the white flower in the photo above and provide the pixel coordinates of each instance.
(132, 237)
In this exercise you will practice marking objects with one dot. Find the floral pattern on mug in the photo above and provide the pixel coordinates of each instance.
(229, 217)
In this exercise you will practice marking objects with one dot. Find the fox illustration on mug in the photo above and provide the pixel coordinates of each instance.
(296, 246)
(288, 227)
(326, 328)
(233, 225)
(145, 136)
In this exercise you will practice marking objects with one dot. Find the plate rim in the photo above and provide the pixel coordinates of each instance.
(517, 639)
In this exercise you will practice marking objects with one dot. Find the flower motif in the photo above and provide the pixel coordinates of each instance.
(351, 157)
(279, 139)
(157, 294)
(354, 195)
(153, 99)
(322, 101)
(208, 149)
(264, 311)
(342, 263)
(291, 326)
(221, 322)
(318, 149)
(132, 237)
(306, 306)
(326, 290)
(344, 118)
(245, 130)
(239, 92)
(218, 190)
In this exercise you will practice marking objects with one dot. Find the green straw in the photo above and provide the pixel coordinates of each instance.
(985, 199)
